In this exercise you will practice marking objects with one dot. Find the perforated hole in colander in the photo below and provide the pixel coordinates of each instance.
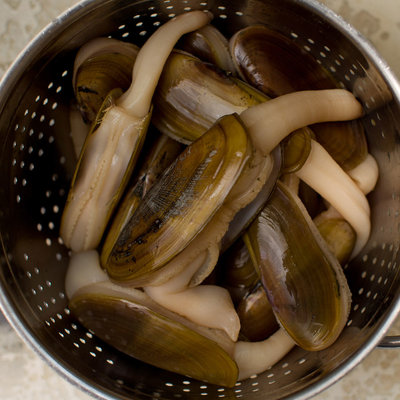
(38, 162)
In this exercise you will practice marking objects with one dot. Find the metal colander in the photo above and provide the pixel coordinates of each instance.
(37, 163)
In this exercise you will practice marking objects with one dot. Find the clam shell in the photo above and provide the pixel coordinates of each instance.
(304, 282)
(134, 324)
(181, 203)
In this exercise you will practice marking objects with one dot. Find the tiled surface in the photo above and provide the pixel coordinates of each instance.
(24, 376)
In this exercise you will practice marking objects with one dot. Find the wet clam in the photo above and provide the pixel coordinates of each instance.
(173, 211)
(110, 152)
(236, 271)
(337, 233)
(194, 202)
(192, 95)
(274, 64)
(303, 280)
(162, 153)
(101, 65)
(257, 320)
(102, 172)
(344, 141)
(210, 45)
(130, 321)
(151, 336)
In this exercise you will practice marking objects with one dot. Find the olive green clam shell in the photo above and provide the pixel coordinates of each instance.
(191, 95)
(132, 326)
(304, 282)
(257, 320)
(339, 236)
(276, 65)
(97, 76)
(159, 157)
(180, 203)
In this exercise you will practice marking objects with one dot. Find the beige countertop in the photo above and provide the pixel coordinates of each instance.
(24, 376)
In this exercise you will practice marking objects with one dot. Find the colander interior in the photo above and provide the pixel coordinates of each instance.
(37, 163)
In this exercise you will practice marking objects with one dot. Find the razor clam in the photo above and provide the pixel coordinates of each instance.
(209, 241)
(192, 95)
(109, 153)
(130, 321)
(344, 141)
(173, 211)
(236, 271)
(101, 65)
(206, 245)
(210, 45)
(304, 282)
(337, 233)
(158, 336)
(250, 191)
(257, 320)
(276, 65)
(102, 172)
(162, 153)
